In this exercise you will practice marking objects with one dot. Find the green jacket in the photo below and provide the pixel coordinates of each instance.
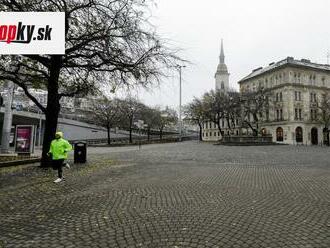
(59, 149)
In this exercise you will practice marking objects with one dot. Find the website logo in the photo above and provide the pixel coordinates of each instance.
(32, 33)
(23, 33)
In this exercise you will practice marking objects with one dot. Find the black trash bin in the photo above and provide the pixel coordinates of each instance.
(80, 152)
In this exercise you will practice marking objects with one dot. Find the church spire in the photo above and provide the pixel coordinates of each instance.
(222, 75)
(222, 54)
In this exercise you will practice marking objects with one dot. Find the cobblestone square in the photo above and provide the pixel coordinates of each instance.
(186, 194)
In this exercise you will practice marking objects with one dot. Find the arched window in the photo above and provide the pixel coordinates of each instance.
(263, 132)
(279, 134)
(326, 136)
(299, 134)
(314, 136)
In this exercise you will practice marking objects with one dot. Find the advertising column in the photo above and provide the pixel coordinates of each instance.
(24, 139)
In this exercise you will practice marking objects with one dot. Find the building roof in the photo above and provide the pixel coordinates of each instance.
(285, 62)
(222, 68)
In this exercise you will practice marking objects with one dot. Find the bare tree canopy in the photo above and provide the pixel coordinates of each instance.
(106, 112)
(150, 117)
(165, 118)
(108, 43)
(131, 110)
(215, 106)
(255, 105)
(195, 113)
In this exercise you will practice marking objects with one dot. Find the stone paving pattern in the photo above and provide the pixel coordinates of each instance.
(173, 195)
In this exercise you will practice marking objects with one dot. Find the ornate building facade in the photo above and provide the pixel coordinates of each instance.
(295, 87)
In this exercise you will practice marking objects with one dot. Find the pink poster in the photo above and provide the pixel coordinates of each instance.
(23, 139)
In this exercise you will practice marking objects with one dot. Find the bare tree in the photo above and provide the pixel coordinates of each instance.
(324, 116)
(150, 116)
(165, 118)
(232, 109)
(107, 43)
(195, 113)
(131, 110)
(215, 107)
(107, 113)
(254, 105)
(222, 107)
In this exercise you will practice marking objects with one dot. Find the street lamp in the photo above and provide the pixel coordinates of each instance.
(180, 101)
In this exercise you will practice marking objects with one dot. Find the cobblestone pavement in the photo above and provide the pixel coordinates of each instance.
(173, 195)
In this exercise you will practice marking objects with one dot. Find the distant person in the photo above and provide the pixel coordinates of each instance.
(58, 151)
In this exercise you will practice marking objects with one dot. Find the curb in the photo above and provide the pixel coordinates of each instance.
(19, 162)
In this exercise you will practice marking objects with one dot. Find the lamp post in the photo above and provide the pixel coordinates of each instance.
(180, 100)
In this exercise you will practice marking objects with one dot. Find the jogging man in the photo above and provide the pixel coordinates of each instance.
(59, 149)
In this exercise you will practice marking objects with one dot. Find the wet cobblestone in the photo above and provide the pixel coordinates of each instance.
(173, 195)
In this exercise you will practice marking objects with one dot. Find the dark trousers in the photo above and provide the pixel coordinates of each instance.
(58, 165)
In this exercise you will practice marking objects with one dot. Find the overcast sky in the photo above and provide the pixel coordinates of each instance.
(255, 33)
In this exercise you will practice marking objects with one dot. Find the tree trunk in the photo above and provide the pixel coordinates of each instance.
(200, 132)
(108, 130)
(228, 124)
(254, 131)
(326, 132)
(130, 135)
(219, 128)
(52, 109)
(148, 134)
(161, 134)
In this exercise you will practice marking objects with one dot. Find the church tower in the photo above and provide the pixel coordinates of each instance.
(222, 75)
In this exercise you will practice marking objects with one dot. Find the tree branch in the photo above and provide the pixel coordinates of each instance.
(26, 91)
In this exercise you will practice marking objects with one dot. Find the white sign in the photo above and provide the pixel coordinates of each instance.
(139, 124)
(32, 33)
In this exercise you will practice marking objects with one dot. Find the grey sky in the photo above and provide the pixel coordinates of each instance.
(255, 33)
